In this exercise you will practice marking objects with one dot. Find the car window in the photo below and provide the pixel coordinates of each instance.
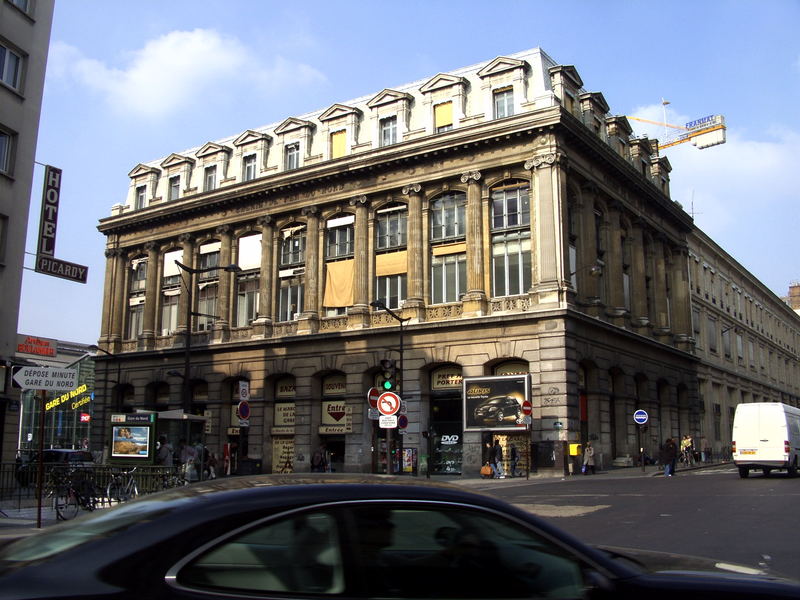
(437, 552)
(298, 554)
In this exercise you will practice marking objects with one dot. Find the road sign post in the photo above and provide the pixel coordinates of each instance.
(640, 417)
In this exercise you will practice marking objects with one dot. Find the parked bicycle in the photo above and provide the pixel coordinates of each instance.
(72, 491)
(122, 487)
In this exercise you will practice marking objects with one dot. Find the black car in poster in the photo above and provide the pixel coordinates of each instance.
(504, 409)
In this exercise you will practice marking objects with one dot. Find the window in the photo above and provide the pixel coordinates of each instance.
(448, 277)
(169, 311)
(503, 103)
(10, 67)
(23, 5)
(135, 317)
(443, 117)
(293, 245)
(338, 144)
(141, 194)
(391, 227)
(210, 179)
(291, 156)
(448, 216)
(5, 152)
(511, 263)
(339, 237)
(174, 187)
(206, 306)
(290, 299)
(711, 334)
(3, 237)
(246, 299)
(138, 274)
(209, 258)
(510, 207)
(388, 131)
(249, 167)
(391, 290)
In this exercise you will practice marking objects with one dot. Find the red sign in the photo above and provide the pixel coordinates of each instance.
(388, 403)
(372, 397)
(243, 410)
(526, 407)
(85, 417)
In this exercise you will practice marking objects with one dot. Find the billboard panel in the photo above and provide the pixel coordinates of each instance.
(495, 403)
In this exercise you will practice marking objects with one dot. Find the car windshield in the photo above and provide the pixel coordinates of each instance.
(74, 533)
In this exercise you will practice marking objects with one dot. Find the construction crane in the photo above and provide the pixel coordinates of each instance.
(703, 133)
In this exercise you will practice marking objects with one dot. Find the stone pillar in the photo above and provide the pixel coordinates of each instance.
(262, 326)
(150, 297)
(358, 316)
(548, 213)
(112, 302)
(309, 317)
(588, 253)
(414, 306)
(474, 302)
(681, 305)
(662, 322)
(222, 324)
(639, 316)
(121, 301)
(615, 305)
(187, 244)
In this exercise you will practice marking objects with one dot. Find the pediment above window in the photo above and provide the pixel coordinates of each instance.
(250, 137)
(173, 160)
(337, 111)
(568, 72)
(141, 170)
(210, 149)
(388, 96)
(293, 124)
(442, 81)
(597, 100)
(501, 64)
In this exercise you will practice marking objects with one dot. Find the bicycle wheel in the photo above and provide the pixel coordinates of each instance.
(66, 505)
(115, 492)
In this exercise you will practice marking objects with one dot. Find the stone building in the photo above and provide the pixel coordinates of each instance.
(505, 220)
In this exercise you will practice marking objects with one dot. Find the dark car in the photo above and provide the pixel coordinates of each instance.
(338, 535)
(28, 463)
(505, 408)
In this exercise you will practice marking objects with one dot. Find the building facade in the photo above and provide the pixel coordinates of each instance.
(493, 220)
(24, 42)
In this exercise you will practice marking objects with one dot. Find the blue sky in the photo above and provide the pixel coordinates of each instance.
(132, 81)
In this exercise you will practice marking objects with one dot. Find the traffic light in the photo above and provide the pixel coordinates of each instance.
(388, 376)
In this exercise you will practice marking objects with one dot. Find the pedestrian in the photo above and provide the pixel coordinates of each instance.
(497, 460)
(212, 465)
(164, 452)
(187, 455)
(588, 459)
(318, 463)
(669, 454)
(514, 460)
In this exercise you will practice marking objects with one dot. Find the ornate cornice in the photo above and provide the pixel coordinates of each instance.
(546, 160)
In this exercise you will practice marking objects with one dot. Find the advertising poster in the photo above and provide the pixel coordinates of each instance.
(495, 403)
(282, 454)
(130, 441)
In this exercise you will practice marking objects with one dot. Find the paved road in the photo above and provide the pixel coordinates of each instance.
(708, 512)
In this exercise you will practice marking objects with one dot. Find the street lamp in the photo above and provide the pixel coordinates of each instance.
(380, 305)
(186, 395)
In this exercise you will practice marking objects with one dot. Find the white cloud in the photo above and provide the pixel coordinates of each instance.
(177, 70)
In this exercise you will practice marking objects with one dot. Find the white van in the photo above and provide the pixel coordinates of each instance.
(766, 436)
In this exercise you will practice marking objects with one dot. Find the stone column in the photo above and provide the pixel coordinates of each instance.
(262, 326)
(358, 316)
(588, 254)
(414, 306)
(662, 322)
(309, 317)
(548, 213)
(474, 302)
(639, 316)
(221, 329)
(615, 306)
(112, 302)
(119, 309)
(150, 297)
(681, 305)
(187, 244)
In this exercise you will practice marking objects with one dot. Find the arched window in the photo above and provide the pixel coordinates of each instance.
(448, 214)
(292, 273)
(511, 239)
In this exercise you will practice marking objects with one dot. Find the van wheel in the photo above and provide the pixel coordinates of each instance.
(792, 471)
(744, 472)
(766, 471)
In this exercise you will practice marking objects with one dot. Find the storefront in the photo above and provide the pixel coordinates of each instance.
(446, 421)
(336, 421)
(282, 431)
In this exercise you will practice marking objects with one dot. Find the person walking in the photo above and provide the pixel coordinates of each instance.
(164, 455)
(497, 460)
(669, 454)
(514, 460)
(588, 459)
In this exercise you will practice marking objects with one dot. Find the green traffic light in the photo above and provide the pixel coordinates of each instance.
(387, 385)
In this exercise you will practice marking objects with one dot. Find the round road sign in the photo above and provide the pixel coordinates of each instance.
(388, 403)
(640, 417)
(372, 397)
(244, 410)
(526, 407)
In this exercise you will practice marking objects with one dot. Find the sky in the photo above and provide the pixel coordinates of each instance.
(131, 81)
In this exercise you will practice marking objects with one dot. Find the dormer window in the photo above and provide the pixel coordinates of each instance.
(174, 187)
(249, 167)
(503, 103)
(141, 197)
(338, 143)
(291, 158)
(443, 117)
(210, 178)
(388, 131)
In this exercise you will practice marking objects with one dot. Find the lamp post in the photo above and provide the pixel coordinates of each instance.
(380, 305)
(186, 394)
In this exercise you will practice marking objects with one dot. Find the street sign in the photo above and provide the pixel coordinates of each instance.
(46, 378)
(402, 421)
(373, 414)
(527, 407)
(50, 265)
(388, 403)
(372, 397)
(388, 421)
(243, 410)
(244, 391)
(640, 417)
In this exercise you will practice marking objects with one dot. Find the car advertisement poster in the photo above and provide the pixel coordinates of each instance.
(495, 403)
(130, 441)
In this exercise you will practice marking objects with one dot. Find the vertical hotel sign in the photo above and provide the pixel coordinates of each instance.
(46, 262)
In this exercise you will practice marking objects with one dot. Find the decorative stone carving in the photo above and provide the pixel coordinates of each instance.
(358, 200)
(470, 175)
(542, 159)
(413, 188)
